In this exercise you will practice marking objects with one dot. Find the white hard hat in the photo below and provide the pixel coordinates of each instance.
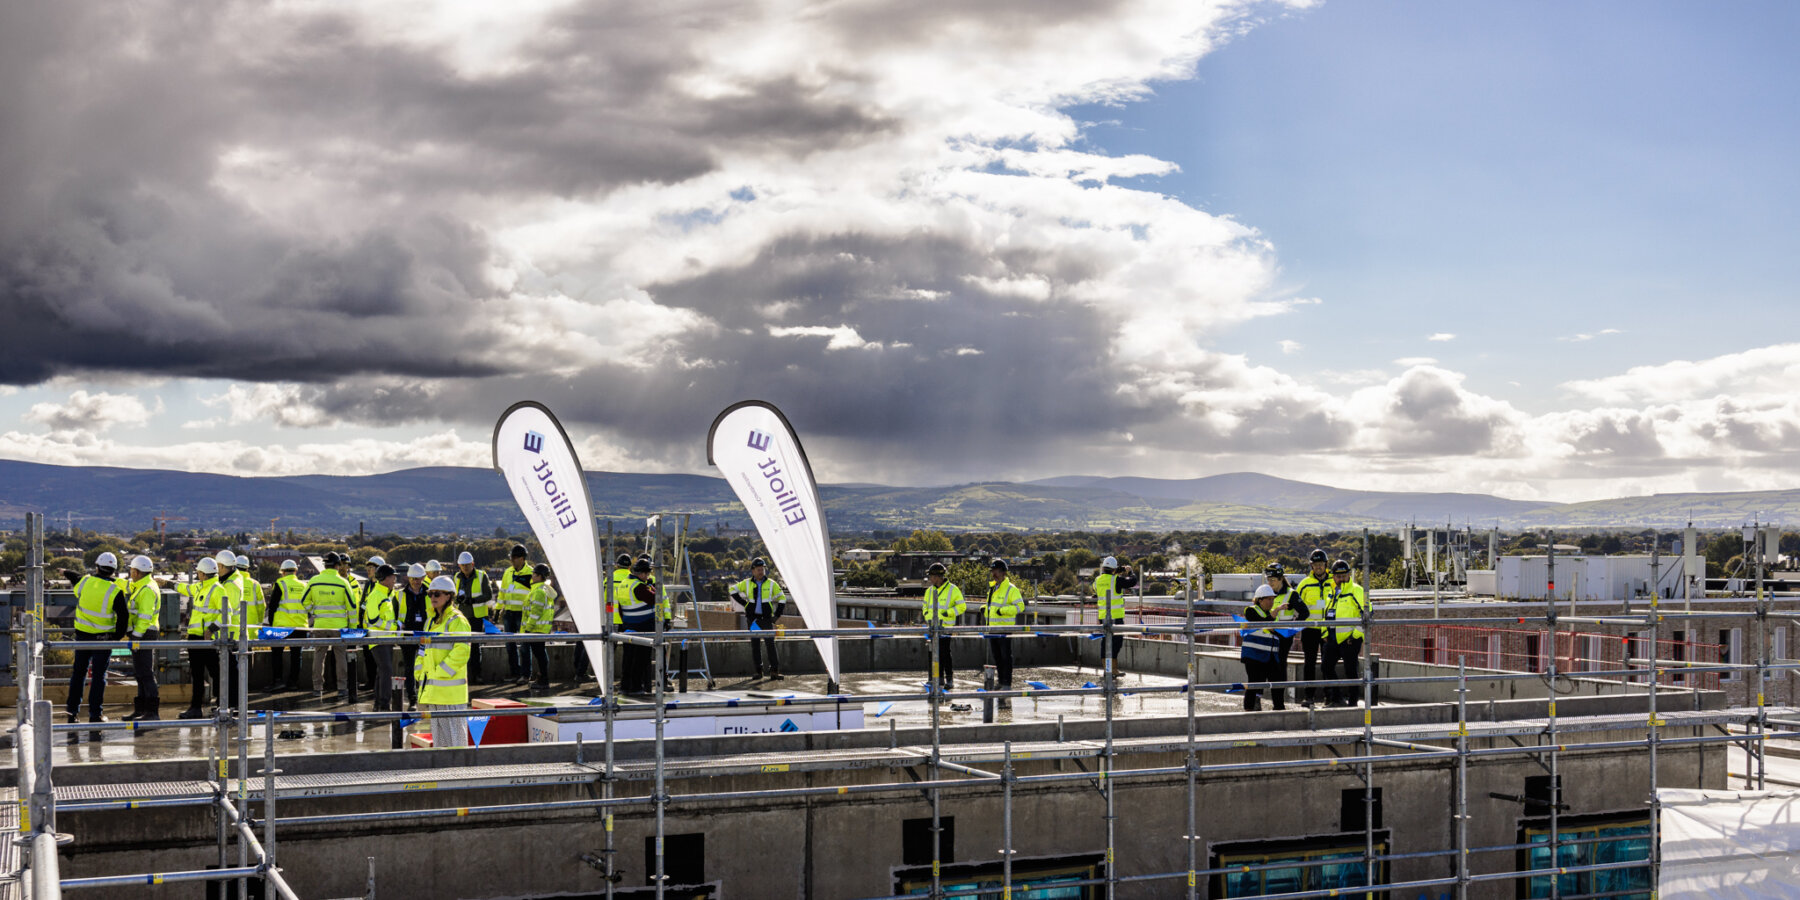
(209, 566)
(142, 563)
(106, 561)
(226, 558)
(376, 562)
(288, 565)
(1110, 562)
(465, 558)
(415, 571)
(432, 565)
(443, 583)
(1263, 590)
(243, 561)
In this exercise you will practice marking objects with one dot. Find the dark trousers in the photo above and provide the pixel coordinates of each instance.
(291, 678)
(409, 656)
(538, 657)
(368, 656)
(946, 668)
(517, 665)
(381, 664)
(87, 661)
(639, 666)
(581, 661)
(475, 676)
(1258, 671)
(1311, 642)
(766, 623)
(1346, 651)
(143, 668)
(203, 668)
(1001, 648)
(1118, 643)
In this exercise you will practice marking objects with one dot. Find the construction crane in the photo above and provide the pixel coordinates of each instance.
(272, 528)
(162, 526)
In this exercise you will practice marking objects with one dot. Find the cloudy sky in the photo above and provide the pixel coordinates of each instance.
(1535, 248)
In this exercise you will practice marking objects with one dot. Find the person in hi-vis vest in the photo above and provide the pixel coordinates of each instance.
(475, 594)
(1345, 606)
(763, 602)
(944, 604)
(1311, 592)
(1004, 602)
(100, 615)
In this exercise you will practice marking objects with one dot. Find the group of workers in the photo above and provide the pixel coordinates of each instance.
(1332, 605)
(945, 604)
(424, 599)
(224, 598)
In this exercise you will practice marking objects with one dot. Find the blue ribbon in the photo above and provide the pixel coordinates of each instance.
(1039, 685)
(353, 632)
(477, 727)
(272, 634)
(490, 628)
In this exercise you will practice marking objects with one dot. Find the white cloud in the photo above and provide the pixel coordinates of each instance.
(284, 405)
(1586, 336)
(92, 412)
(842, 337)
(1288, 346)
(1441, 336)
(1772, 370)
(363, 456)
(1410, 361)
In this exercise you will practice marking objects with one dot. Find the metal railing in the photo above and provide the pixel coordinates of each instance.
(257, 858)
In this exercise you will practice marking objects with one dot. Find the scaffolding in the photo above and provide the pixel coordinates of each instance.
(243, 854)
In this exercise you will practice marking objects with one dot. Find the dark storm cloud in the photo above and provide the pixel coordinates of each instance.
(1040, 369)
(121, 251)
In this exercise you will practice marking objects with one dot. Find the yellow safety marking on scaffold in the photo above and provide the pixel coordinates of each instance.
(609, 821)
(775, 767)
(843, 789)
(419, 786)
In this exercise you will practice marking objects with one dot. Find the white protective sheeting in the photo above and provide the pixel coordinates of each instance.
(534, 454)
(756, 450)
(1736, 845)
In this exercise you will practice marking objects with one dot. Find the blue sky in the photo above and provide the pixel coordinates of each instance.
(1538, 249)
(1511, 173)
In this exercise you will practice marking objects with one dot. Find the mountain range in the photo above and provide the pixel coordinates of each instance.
(445, 500)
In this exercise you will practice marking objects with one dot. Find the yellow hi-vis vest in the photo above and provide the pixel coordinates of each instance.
(540, 605)
(144, 599)
(477, 587)
(1313, 593)
(253, 593)
(94, 605)
(621, 588)
(1003, 603)
(205, 609)
(631, 609)
(1347, 604)
(946, 604)
(289, 611)
(514, 585)
(1106, 597)
(328, 599)
(442, 670)
(378, 608)
(760, 599)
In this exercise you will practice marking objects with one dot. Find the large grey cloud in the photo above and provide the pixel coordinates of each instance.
(120, 250)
